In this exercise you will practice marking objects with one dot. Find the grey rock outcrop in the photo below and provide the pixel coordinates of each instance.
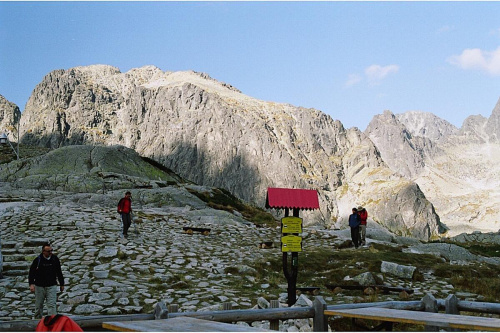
(9, 117)
(85, 169)
(450, 252)
(212, 134)
(478, 237)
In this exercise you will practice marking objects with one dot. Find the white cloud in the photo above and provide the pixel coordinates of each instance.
(376, 73)
(477, 59)
(353, 79)
(373, 74)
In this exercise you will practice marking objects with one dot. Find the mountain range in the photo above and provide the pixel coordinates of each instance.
(416, 174)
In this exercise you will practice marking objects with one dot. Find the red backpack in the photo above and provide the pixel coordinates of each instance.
(57, 323)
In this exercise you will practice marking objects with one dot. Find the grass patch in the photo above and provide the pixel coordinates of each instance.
(480, 279)
(329, 266)
(121, 255)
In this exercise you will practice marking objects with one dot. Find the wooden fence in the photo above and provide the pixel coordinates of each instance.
(320, 322)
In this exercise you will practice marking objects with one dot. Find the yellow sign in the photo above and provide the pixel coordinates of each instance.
(291, 225)
(291, 243)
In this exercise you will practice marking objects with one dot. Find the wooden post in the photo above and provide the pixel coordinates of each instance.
(320, 321)
(274, 324)
(291, 276)
(173, 308)
(430, 305)
(161, 311)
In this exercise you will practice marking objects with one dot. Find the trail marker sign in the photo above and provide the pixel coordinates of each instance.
(291, 225)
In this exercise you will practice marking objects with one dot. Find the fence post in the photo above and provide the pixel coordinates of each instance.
(161, 311)
(451, 307)
(430, 305)
(320, 321)
(451, 304)
(274, 324)
(173, 308)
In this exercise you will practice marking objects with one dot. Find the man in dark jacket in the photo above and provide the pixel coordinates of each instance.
(354, 222)
(44, 273)
(125, 209)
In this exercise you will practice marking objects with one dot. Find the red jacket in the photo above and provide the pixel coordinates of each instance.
(363, 215)
(124, 205)
(57, 323)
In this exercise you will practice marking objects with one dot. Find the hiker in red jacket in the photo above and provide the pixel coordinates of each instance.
(363, 215)
(125, 209)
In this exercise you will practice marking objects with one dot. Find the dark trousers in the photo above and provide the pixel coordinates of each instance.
(127, 221)
(355, 236)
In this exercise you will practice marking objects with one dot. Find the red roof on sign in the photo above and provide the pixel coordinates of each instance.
(292, 198)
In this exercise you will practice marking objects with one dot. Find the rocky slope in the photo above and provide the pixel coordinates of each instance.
(211, 133)
(458, 170)
(107, 274)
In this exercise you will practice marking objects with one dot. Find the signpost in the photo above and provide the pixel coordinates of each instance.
(291, 228)
(291, 243)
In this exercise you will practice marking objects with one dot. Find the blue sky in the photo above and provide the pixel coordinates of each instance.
(351, 60)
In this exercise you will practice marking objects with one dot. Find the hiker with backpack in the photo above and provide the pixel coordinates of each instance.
(125, 210)
(363, 216)
(354, 222)
(44, 273)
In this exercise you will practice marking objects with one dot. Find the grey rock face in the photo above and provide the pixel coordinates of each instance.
(9, 117)
(426, 125)
(212, 134)
(399, 148)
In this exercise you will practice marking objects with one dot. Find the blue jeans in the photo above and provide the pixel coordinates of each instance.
(42, 294)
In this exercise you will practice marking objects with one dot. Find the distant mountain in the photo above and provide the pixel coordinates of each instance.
(209, 132)
(426, 125)
(457, 169)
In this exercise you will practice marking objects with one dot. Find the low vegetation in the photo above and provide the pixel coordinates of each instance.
(329, 266)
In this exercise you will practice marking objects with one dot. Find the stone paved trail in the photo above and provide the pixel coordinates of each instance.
(107, 274)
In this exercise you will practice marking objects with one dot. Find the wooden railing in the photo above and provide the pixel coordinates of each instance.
(320, 322)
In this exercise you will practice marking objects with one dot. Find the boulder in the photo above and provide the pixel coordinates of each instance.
(402, 271)
(365, 279)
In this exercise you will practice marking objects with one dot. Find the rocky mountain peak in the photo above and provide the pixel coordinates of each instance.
(399, 148)
(426, 125)
(492, 127)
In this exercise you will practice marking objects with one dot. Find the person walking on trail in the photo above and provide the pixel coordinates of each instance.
(125, 210)
(354, 222)
(363, 215)
(44, 273)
